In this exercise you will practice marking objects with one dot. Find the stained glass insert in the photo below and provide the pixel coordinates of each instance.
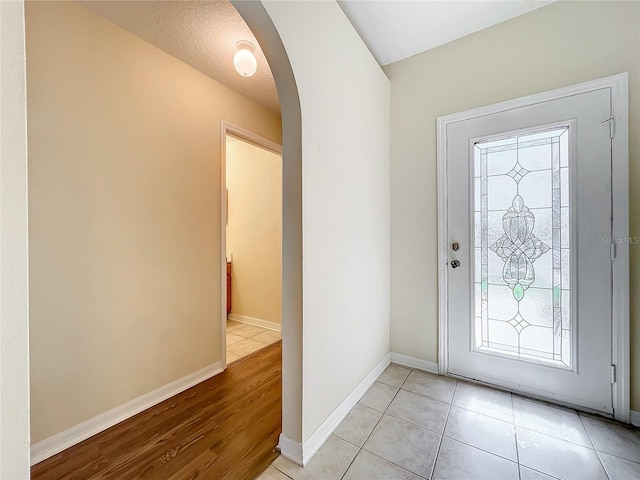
(522, 239)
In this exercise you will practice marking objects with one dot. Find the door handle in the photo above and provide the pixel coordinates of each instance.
(455, 264)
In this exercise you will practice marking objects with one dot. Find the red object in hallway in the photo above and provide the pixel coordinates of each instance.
(228, 288)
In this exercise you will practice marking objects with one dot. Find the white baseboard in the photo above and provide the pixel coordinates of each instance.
(290, 449)
(634, 417)
(258, 322)
(414, 363)
(76, 434)
(302, 453)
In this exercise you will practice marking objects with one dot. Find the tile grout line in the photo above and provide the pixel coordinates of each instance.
(352, 460)
(360, 448)
(272, 465)
(616, 456)
(435, 458)
(395, 395)
(481, 449)
(556, 438)
(542, 473)
(534, 429)
(606, 472)
(444, 435)
(594, 447)
(387, 407)
(483, 414)
(396, 465)
(515, 434)
(411, 370)
(422, 426)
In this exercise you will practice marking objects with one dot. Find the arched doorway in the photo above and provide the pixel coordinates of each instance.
(262, 27)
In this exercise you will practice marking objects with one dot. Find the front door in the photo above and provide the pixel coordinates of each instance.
(529, 273)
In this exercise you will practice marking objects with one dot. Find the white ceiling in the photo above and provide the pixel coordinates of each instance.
(397, 29)
(202, 34)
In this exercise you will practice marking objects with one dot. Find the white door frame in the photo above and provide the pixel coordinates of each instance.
(227, 128)
(620, 242)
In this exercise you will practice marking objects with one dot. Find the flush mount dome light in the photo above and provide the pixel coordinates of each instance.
(244, 60)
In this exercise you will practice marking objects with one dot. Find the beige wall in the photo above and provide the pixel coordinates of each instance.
(254, 229)
(124, 214)
(558, 45)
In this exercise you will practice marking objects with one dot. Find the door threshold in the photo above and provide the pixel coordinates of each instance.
(554, 402)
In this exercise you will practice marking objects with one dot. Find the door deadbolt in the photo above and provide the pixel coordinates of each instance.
(455, 264)
(455, 246)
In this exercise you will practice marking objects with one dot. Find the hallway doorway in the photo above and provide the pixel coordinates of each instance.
(252, 240)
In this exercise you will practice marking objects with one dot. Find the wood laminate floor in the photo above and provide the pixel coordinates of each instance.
(225, 428)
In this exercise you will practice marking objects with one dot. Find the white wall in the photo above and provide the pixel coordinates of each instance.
(344, 99)
(14, 286)
(561, 44)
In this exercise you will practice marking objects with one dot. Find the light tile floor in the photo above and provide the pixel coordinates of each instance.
(413, 425)
(244, 339)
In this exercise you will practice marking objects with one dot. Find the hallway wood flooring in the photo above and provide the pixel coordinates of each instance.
(225, 428)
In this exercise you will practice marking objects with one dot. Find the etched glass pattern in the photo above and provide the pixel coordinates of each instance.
(522, 259)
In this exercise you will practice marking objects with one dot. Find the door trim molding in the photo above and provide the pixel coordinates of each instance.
(227, 128)
(619, 85)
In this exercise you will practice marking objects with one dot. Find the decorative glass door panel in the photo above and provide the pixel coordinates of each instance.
(522, 256)
(528, 276)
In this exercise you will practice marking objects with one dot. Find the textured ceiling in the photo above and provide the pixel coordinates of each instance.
(394, 30)
(202, 34)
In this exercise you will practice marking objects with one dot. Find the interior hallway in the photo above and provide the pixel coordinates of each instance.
(412, 425)
(224, 428)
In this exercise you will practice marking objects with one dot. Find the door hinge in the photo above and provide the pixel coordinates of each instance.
(613, 251)
(613, 374)
(612, 126)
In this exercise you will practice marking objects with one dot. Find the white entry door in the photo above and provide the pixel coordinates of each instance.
(529, 208)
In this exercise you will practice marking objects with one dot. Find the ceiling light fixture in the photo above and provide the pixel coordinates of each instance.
(244, 60)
